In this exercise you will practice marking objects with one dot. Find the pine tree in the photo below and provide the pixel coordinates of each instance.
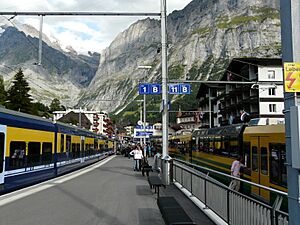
(55, 105)
(18, 94)
(3, 94)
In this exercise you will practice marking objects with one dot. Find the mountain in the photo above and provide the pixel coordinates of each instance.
(202, 39)
(63, 73)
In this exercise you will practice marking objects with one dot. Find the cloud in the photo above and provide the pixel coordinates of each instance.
(86, 33)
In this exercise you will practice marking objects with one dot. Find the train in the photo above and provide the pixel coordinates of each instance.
(34, 149)
(263, 148)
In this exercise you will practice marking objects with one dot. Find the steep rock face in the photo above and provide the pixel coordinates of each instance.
(202, 38)
(62, 75)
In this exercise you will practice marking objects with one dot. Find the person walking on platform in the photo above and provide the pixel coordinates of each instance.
(235, 171)
(137, 157)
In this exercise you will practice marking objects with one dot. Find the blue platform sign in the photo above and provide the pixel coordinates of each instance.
(185, 89)
(144, 89)
(175, 89)
(155, 89)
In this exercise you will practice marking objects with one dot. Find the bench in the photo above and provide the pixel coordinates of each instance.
(172, 212)
(155, 181)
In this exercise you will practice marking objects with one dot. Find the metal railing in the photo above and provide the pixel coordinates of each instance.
(233, 207)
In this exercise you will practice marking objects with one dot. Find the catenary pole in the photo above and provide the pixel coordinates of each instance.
(290, 33)
(165, 116)
(40, 40)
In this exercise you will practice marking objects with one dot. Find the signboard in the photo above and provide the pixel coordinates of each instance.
(179, 89)
(292, 77)
(149, 89)
(155, 89)
(144, 89)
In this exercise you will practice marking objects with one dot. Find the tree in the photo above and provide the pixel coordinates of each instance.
(18, 97)
(55, 105)
(3, 94)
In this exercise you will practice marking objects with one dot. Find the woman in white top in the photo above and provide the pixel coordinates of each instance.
(137, 156)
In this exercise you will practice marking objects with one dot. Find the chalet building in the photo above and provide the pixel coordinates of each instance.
(223, 104)
(188, 120)
(97, 119)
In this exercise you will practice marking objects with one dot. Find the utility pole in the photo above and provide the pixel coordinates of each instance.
(145, 112)
(164, 73)
(290, 33)
(40, 40)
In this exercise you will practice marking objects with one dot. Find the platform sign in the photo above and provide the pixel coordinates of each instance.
(144, 89)
(155, 89)
(179, 89)
(185, 89)
(292, 77)
(174, 89)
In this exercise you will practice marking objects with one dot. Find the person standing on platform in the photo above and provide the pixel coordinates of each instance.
(235, 171)
(137, 157)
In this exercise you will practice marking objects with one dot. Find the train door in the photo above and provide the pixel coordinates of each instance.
(260, 166)
(2, 152)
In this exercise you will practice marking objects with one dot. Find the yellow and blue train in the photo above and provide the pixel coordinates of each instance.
(33, 149)
(263, 148)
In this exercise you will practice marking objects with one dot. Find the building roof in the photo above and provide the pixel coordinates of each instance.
(73, 118)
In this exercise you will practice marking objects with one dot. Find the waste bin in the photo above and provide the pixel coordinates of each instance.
(167, 169)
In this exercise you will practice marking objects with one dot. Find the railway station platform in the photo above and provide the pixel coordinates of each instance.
(108, 192)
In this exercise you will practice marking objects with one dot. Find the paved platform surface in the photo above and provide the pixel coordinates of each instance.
(111, 193)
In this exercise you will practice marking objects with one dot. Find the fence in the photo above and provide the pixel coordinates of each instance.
(233, 207)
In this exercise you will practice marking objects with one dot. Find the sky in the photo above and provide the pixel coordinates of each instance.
(86, 33)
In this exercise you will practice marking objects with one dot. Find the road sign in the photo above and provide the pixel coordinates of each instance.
(292, 77)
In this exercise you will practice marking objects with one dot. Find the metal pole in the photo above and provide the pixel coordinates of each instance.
(40, 40)
(209, 106)
(141, 119)
(79, 119)
(164, 70)
(290, 32)
(145, 125)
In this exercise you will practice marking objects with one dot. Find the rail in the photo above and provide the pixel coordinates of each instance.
(233, 207)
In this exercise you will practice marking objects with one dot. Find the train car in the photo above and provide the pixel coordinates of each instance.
(35, 149)
(263, 148)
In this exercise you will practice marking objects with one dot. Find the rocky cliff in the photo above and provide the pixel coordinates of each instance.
(202, 38)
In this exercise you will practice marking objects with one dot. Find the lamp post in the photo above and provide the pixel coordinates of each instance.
(144, 110)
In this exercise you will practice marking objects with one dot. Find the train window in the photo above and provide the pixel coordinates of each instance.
(95, 144)
(264, 160)
(283, 166)
(62, 143)
(254, 159)
(247, 154)
(278, 171)
(68, 143)
(47, 152)
(73, 150)
(34, 149)
(17, 154)
(1, 151)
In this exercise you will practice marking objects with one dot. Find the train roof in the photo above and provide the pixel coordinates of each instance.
(234, 129)
(73, 130)
(265, 129)
(23, 120)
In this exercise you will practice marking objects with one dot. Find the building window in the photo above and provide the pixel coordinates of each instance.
(271, 74)
(272, 107)
(271, 91)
